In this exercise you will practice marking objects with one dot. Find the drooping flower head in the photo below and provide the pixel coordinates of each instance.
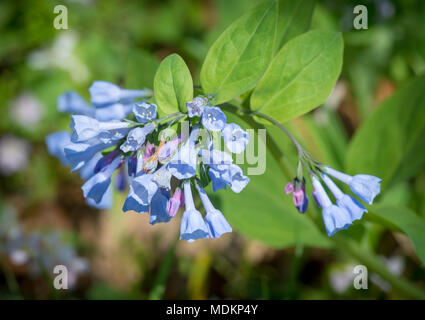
(105, 138)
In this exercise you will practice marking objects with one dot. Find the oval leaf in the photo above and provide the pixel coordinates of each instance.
(391, 142)
(173, 85)
(301, 76)
(239, 57)
(294, 19)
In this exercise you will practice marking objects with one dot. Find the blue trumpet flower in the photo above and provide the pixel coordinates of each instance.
(116, 111)
(78, 154)
(235, 138)
(144, 187)
(213, 119)
(159, 206)
(196, 106)
(136, 138)
(366, 187)
(105, 203)
(103, 93)
(72, 102)
(184, 162)
(228, 175)
(134, 202)
(355, 208)
(145, 112)
(95, 187)
(85, 128)
(192, 225)
(216, 222)
(335, 218)
(56, 143)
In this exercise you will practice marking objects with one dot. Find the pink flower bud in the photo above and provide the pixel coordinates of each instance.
(150, 148)
(289, 188)
(298, 197)
(174, 203)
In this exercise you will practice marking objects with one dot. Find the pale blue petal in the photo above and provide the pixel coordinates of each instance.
(235, 138)
(84, 128)
(145, 112)
(144, 187)
(184, 162)
(354, 207)
(133, 202)
(196, 106)
(116, 111)
(366, 187)
(216, 224)
(105, 203)
(87, 170)
(158, 212)
(72, 102)
(136, 138)
(103, 93)
(213, 119)
(78, 154)
(96, 186)
(56, 143)
(192, 226)
(335, 219)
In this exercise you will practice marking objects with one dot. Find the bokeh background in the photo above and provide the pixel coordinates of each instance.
(44, 220)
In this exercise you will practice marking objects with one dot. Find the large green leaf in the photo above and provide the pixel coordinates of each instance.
(239, 57)
(173, 85)
(264, 212)
(294, 19)
(301, 76)
(391, 143)
(406, 220)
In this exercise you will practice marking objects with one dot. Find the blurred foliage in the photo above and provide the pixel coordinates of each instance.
(124, 42)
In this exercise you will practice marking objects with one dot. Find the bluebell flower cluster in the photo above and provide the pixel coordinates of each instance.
(347, 209)
(118, 141)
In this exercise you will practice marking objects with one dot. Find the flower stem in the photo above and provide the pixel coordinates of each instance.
(281, 127)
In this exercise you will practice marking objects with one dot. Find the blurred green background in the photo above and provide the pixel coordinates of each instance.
(44, 220)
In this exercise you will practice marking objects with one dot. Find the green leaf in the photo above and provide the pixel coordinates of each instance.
(391, 142)
(263, 211)
(173, 85)
(239, 57)
(294, 19)
(301, 76)
(406, 220)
